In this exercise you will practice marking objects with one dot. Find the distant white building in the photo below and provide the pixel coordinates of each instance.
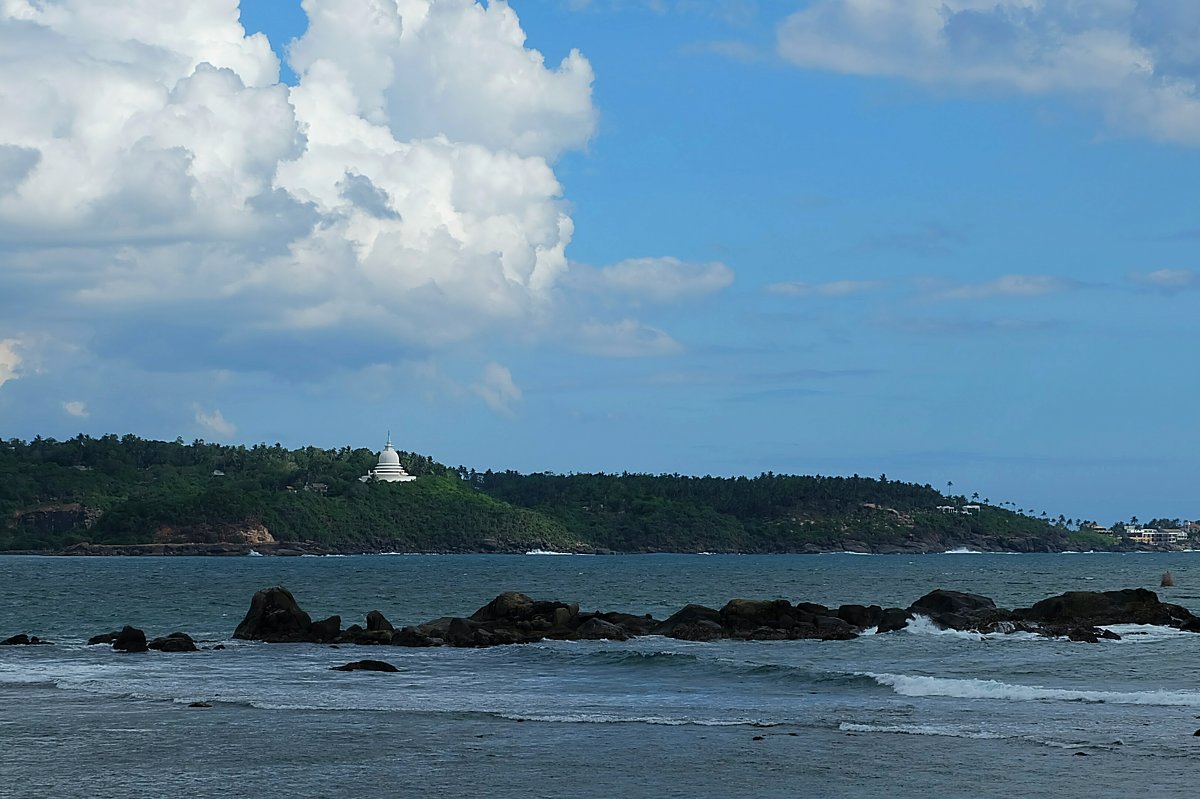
(388, 469)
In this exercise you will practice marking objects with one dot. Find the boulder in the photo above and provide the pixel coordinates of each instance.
(22, 639)
(631, 624)
(130, 639)
(745, 615)
(103, 638)
(175, 642)
(892, 619)
(941, 601)
(692, 623)
(411, 636)
(325, 630)
(860, 616)
(366, 665)
(1098, 608)
(274, 616)
(377, 622)
(597, 629)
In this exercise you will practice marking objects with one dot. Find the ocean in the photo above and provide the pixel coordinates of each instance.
(916, 713)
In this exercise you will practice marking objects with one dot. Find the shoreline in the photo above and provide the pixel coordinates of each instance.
(310, 549)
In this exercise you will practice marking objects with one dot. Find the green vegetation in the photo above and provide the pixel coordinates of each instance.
(129, 490)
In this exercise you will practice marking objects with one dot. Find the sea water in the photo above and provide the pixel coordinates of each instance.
(917, 713)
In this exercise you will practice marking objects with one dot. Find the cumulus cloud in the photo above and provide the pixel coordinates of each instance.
(401, 194)
(1136, 62)
(214, 423)
(835, 288)
(76, 408)
(627, 338)
(10, 360)
(1168, 280)
(655, 279)
(497, 389)
(1006, 286)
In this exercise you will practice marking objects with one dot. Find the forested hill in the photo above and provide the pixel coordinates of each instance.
(128, 490)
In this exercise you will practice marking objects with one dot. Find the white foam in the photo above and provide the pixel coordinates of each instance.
(547, 552)
(1142, 633)
(920, 624)
(906, 685)
(918, 729)
(963, 551)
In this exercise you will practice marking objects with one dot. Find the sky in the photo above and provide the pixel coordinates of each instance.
(949, 241)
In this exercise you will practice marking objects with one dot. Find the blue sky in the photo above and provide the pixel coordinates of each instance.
(945, 241)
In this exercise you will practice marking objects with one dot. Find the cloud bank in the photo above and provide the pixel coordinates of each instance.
(1135, 61)
(155, 174)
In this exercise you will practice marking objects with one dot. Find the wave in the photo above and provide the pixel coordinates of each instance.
(906, 685)
(920, 624)
(919, 729)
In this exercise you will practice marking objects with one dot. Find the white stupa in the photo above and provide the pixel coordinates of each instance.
(388, 469)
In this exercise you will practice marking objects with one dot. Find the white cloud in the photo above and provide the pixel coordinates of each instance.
(1006, 286)
(835, 288)
(654, 279)
(627, 338)
(10, 360)
(1136, 62)
(1168, 280)
(497, 389)
(402, 194)
(76, 408)
(214, 423)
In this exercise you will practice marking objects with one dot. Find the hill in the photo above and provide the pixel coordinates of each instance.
(131, 491)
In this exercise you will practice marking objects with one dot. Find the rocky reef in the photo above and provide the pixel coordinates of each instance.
(514, 618)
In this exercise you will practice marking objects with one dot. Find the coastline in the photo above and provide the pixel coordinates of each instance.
(312, 549)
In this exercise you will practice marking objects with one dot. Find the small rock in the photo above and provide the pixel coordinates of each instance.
(757, 738)
(199, 704)
(130, 639)
(1081, 754)
(366, 665)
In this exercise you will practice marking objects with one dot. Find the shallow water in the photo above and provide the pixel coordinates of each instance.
(916, 713)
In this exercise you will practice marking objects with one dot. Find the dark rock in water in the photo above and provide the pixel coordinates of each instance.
(22, 639)
(325, 630)
(860, 616)
(103, 638)
(1196, 734)
(411, 636)
(957, 610)
(376, 622)
(366, 665)
(175, 642)
(199, 704)
(464, 632)
(692, 623)
(355, 634)
(1098, 608)
(892, 619)
(274, 616)
(942, 601)
(740, 615)
(631, 624)
(596, 629)
(130, 639)
(513, 610)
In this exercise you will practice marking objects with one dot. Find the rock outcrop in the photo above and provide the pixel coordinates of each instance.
(274, 616)
(130, 639)
(175, 642)
(21, 639)
(514, 618)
